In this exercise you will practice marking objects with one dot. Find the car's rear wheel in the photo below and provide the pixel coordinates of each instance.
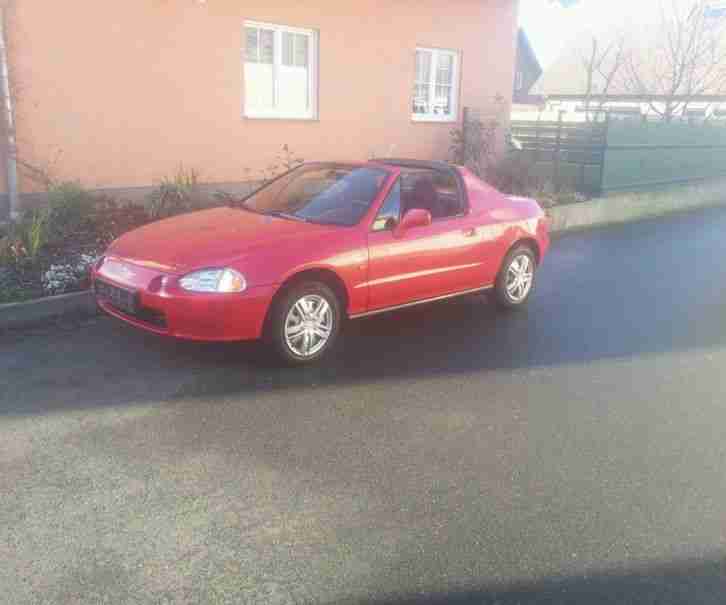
(515, 281)
(304, 323)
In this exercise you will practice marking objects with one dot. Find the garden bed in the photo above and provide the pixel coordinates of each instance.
(62, 271)
(50, 250)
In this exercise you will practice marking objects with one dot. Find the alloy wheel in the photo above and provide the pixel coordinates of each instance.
(308, 325)
(520, 275)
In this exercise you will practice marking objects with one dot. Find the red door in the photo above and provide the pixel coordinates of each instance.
(423, 262)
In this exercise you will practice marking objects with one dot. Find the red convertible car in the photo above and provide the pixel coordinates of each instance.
(322, 243)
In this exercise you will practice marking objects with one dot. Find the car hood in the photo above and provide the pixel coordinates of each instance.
(205, 239)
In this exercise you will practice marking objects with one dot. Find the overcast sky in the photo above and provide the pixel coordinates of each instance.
(551, 28)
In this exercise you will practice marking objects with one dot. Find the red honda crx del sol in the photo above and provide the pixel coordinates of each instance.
(322, 243)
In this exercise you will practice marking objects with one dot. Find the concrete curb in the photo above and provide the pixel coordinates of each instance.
(42, 310)
(628, 207)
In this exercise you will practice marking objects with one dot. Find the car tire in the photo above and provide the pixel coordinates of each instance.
(304, 323)
(516, 278)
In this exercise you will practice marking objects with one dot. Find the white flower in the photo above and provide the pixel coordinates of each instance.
(61, 278)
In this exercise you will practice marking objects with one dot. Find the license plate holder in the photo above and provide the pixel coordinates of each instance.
(121, 298)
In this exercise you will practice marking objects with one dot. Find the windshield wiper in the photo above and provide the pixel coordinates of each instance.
(290, 217)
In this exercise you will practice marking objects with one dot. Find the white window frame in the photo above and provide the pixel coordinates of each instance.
(312, 111)
(518, 80)
(455, 84)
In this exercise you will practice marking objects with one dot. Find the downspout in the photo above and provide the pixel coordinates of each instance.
(11, 151)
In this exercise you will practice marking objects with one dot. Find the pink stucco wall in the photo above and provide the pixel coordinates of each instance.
(117, 94)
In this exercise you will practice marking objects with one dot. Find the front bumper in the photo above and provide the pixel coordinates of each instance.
(170, 311)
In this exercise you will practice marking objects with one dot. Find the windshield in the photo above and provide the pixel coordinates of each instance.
(334, 194)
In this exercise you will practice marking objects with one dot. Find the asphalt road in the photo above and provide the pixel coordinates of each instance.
(573, 453)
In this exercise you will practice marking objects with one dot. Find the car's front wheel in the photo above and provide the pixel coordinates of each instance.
(516, 278)
(304, 323)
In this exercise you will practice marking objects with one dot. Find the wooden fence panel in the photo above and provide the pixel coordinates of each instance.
(656, 154)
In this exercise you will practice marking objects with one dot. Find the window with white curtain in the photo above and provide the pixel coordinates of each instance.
(436, 87)
(280, 71)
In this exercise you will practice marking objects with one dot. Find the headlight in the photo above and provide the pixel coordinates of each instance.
(214, 280)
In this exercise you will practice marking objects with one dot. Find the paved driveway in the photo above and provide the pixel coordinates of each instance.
(572, 453)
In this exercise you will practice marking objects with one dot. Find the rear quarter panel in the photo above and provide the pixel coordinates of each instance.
(503, 221)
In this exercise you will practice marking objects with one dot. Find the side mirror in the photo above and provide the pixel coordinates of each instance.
(416, 217)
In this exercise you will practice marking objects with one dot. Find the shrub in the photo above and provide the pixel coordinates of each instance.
(19, 275)
(70, 211)
(20, 256)
(175, 195)
(112, 218)
(6, 252)
(10, 292)
(31, 234)
(512, 174)
(288, 159)
(284, 161)
(35, 235)
(474, 145)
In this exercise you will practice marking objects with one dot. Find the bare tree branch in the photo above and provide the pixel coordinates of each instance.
(687, 60)
(601, 69)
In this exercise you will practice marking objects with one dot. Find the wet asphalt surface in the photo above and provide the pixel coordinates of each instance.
(572, 453)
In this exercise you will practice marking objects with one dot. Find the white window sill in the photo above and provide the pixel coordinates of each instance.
(422, 117)
(277, 116)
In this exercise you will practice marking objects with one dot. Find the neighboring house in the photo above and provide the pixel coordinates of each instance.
(527, 69)
(118, 94)
(563, 86)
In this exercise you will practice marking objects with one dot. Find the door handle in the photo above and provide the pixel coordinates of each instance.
(470, 232)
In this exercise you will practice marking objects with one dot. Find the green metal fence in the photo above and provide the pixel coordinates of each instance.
(645, 155)
(621, 155)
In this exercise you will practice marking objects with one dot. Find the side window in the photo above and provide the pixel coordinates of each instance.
(432, 190)
(389, 213)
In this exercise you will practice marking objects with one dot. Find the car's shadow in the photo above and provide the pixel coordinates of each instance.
(696, 582)
(644, 289)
